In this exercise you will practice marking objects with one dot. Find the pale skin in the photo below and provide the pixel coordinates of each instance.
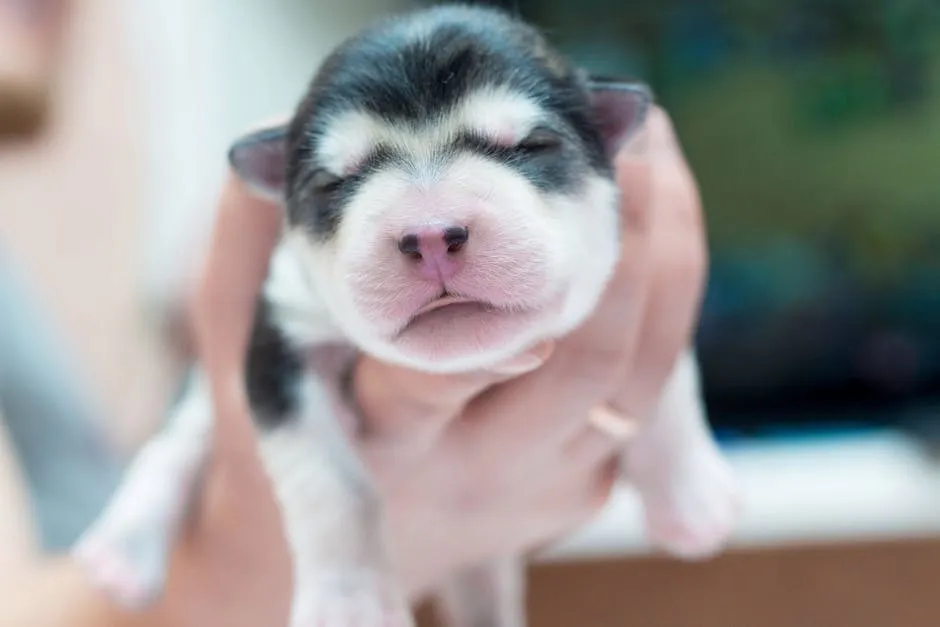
(466, 457)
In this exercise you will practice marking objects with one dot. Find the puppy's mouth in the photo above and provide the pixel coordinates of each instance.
(447, 300)
(459, 327)
(450, 305)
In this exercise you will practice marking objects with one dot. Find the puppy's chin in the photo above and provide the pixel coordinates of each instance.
(465, 337)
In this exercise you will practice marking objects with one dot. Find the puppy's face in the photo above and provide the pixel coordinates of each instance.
(448, 187)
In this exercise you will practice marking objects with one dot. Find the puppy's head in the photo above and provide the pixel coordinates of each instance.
(448, 186)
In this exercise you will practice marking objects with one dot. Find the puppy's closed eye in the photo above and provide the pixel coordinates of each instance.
(325, 182)
(540, 140)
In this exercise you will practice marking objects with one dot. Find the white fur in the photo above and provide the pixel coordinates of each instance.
(688, 489)
(553, 253)
(544, 258)
(495, 112)
(333, 521)
(301, 311)
(127, 547)
(491, 594)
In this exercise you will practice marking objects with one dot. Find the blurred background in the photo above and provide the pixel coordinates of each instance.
(813, 128)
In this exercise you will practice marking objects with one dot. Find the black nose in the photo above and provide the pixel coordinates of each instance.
(434, 241)
(410, 244)
(455, 237)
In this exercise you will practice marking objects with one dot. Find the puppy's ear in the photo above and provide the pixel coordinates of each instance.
(620, 109)
(260, 160)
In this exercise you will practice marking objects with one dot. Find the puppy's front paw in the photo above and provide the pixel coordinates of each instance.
(350, 599)
(128, 562)
(692, 512)
(125, 552)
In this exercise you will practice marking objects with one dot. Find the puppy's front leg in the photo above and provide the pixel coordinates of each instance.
(332, 517)
(126, 550)
(689, 493)
(488, 595)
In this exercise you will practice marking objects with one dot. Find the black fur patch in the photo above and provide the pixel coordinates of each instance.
(412, 68)
(328, 204)
(549, 169)
(273, 372)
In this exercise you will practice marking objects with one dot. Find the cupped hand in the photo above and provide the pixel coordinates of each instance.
(469, 467)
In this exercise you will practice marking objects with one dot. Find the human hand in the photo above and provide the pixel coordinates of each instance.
(504, 466)
(232, 565)
(509, 467)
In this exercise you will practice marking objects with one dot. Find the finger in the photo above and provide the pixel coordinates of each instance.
(604, 435)
(245, 233)
(679, 265)
(592, 446)
(398, 402)
(550, 405)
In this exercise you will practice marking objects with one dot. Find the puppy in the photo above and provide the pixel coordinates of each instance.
(450, 201)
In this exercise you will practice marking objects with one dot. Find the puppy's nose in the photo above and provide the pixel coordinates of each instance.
(436, 252)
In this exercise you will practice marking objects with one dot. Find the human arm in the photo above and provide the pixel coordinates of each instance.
(36, 590)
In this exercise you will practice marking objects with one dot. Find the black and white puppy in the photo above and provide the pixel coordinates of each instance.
(450, 201)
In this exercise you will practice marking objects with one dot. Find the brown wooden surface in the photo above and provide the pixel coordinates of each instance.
(888, 584)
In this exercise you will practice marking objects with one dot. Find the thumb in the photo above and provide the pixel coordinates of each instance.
(221, 305)
(399, 403)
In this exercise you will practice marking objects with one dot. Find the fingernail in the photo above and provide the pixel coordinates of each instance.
(526, 362)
